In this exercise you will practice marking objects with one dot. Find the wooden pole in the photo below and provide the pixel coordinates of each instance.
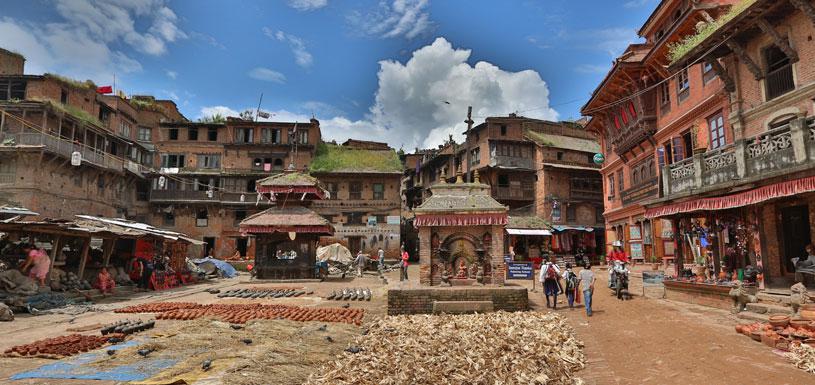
(56, 246)
(107, 246)
(84, 260)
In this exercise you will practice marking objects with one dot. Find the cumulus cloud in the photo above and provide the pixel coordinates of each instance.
(307, 5)
(302, 57)
(410, 109)
(399, 18)
(83, 42)
(171, 74)
(268, 75)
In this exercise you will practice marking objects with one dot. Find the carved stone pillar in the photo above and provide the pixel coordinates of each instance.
(666, 179)
(741, 158)
(798, 133)
(698, 166)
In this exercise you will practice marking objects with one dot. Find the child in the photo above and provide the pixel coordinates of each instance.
(549, 277)
(104, 282)
(571, 284)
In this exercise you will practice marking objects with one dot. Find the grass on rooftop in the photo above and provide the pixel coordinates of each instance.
(76, 112)
(87, 84)
(678, 50)
(332, 158)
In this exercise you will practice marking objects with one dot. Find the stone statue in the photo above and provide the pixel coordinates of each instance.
(462, 270)
(473, 270)
(479, 276)
(740, 297)
(445, 276)
(798, 296)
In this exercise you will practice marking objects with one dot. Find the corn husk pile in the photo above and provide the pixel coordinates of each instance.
(803, 357)
(493, 348)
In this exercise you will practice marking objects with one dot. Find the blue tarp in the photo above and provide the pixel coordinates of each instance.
(226, 269)
(80, 368)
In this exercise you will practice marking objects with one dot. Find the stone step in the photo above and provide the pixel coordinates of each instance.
(773, 298)
(767, 308)
(748, 315)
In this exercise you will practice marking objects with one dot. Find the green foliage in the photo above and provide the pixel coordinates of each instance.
(143, 104)
(76, 112)
(678, 50)
(216, 118)
(86, 85)
(334, 158)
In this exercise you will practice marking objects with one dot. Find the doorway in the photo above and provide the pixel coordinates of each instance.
(241, 244)
(354, 245)
(795, 222)
(209, 245)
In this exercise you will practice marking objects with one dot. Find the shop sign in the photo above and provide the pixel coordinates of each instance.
(371, 221)
(520, 270)
(652, 278)
(636, 250)
(393, 220)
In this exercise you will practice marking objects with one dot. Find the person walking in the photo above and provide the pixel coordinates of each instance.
(360, 263)
(381, 262)
(549, 278)
(587, 278)
(38, 261)
(403, 265)
(146, 273)
(570, 279)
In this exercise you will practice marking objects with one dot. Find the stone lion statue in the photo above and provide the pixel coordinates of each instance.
(740, 297)
(798, 296)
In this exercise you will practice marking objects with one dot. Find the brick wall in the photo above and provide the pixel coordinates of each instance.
(11, 63)
(420, 301)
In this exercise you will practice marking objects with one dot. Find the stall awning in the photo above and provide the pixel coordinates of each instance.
(746, 198)
(567, 227)
(528, 232)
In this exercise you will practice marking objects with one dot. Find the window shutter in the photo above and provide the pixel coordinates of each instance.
(678, 148)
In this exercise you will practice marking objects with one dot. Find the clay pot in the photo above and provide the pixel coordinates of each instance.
(783, 344)
(808, 306)
(779, 320)
(799, 323)
(808, 314)
(756, 335)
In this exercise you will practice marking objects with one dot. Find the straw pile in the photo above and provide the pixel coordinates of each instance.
(494, 348)
(803, 357)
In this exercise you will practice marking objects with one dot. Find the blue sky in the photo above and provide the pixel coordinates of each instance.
(402, 71)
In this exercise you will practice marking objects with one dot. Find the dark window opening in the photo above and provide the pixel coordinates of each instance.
(192, 134)
(172, 160)
(250, 185)
(354, 190)
(779, 78)
(173, 134)
(169, 219)
(590, 158)
(201, 218)
(243, 135)
(687, 141)
(355, 218)
(503, 129)
(63, 96)
(379, 191)
(598, 215)
(559, 155)
(212, 134)
(278, 164)
(571, 213)
(209, 245)
(239, 216)
(503, 180)
(142, 191)
(12, 89)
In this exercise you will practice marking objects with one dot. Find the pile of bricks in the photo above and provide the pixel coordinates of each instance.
(420, 301)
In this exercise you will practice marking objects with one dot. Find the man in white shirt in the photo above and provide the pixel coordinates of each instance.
(549, 275)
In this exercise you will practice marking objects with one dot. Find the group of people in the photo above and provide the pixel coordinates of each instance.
(575, 283)
(360, 262)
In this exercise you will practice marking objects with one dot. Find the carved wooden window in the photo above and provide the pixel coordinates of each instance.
(682, 85)
(779, 78)
(665, 96)
(354, 190)
(611, 186)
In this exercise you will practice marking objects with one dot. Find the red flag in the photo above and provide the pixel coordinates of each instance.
(104, 90)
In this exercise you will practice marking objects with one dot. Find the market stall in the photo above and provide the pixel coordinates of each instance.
(528, 239)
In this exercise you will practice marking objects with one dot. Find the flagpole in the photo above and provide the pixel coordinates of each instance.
(114, 83)
(258, 110)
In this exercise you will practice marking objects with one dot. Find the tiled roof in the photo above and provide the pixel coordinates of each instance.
(285, 217)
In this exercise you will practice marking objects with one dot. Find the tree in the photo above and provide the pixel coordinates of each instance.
(214, 118)
(247, 115)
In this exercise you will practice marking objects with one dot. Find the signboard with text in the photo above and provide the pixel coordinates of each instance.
(520, 270)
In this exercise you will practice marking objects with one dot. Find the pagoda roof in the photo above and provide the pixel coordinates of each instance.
(460, 204)
(291, 182)
(295, 219)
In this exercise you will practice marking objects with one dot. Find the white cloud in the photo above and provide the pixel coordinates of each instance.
(408, 18)
(171, 74)
(268, 75)
(302, 57)
(409, 108)
(592, 68)
(217, 110)
(86, 41)
(307, 5)
(613, 41)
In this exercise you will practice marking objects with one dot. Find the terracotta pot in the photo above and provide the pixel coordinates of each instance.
(808, 306)
(799, 323)
(779, 320)
(807, 314)
(756, 335)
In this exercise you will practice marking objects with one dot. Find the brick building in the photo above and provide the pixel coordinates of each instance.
(647, 117)
(543, 171)
(764, 176)
(47, 119)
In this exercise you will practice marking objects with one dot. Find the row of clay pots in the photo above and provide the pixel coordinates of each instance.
(157, 307)
(59, 346)
(241, 313)
(779, 337)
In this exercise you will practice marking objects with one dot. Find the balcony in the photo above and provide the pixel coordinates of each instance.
(63, 147)
(631, 136)
(513, 193)
(784, 150)
(590, 195)
(7, 177)
(181, 196)
(644, 190)
(356, 203)
(511, 162)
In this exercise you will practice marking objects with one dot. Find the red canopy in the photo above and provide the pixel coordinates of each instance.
(757, 195)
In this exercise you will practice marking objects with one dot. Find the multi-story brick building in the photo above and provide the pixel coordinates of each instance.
(762, 179)
(46, 120)
(647, 117)
(543, 171)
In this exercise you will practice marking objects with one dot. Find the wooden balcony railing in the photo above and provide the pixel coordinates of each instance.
(513, 193)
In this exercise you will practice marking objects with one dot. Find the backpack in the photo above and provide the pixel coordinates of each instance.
(571, 281)
(551, 273)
